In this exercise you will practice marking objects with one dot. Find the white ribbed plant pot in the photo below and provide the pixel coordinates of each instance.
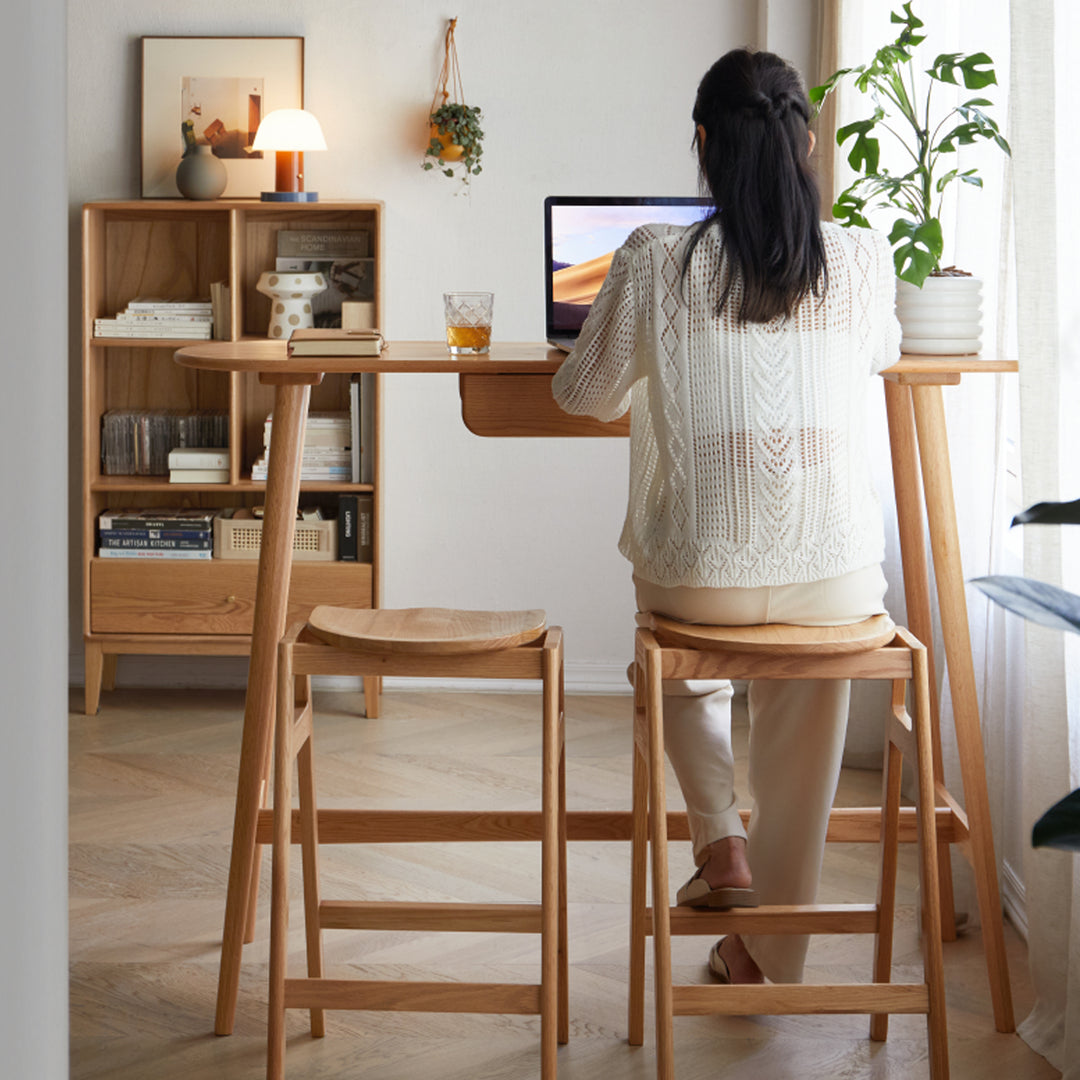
(943, 318)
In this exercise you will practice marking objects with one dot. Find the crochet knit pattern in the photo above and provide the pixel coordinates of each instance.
(748, 443)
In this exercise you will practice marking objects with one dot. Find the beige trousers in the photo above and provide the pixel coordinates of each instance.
(797, 729)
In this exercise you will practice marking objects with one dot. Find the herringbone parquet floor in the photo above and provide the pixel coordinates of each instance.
(151, 801)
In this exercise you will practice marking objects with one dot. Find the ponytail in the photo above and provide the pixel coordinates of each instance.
(755, 114)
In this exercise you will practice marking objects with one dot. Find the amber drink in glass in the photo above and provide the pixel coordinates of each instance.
(468, 321)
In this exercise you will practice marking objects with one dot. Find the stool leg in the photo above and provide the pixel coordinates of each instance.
(549, 872)
(892, 775)
(564, 929)
(639, 856)
(662, 992)
(928, 870)
(279, 877)
(309, 846)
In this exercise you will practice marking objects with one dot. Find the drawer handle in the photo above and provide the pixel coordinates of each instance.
(230, 599)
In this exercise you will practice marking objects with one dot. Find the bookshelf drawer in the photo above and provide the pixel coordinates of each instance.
(215, 597)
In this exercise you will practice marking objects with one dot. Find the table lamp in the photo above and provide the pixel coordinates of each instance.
(289, 132)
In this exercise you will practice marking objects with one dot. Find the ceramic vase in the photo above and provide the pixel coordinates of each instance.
(943, 318)
(290, 295)
(201, 175)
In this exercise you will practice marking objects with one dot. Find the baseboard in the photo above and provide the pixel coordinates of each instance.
(230, 673)
(1013, 899)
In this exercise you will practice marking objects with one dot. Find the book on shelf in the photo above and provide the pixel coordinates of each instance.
(355, 402)
(133, 537)
(355, 527)
(198, 476)
(165, 305)
(151, 317)
(323, 243)
(199, 457)
(114, 328)
(204, 542)
(158, 517)
(328, 341)
(154, 553)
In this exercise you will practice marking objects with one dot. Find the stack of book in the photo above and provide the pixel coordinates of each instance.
(199, 465)
(150, 317)
(327, 448)
(160, 532)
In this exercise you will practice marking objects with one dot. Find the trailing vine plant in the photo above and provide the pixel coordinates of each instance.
(456, 138)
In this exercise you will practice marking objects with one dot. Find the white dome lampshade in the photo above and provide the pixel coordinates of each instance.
(289, 132)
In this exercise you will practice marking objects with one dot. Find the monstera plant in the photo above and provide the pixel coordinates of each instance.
(1058, 609)
(912, 114)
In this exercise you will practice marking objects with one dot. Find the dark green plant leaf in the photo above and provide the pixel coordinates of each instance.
(968, 177)
(865, 152)
(917, 247)
(1059, 827)
(911, 23)
(1036, 601)
(975, 70)
(818, 94)
(848, 210)
(1050, 513)
(977, 125)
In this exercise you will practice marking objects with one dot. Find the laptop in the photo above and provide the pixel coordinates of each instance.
(581, 234)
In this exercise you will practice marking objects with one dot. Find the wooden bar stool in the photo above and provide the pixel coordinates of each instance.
(873, 649)
(432, 642)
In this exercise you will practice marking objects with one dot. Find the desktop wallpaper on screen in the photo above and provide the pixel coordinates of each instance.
(584, 239)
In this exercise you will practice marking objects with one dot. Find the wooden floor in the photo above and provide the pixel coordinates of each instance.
(152, 785)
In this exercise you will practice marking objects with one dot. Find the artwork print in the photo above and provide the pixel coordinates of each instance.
(224, 112)
(215, 91)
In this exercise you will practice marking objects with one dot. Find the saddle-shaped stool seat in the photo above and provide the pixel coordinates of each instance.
(873, 649)
(433, 643)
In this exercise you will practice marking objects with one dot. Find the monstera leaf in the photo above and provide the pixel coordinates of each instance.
(1050, 606)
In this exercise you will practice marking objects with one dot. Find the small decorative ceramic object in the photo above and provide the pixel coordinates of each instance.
(943, 318)
(201, 175)
(290, 295)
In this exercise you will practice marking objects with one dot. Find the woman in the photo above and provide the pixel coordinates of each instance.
(746, 346)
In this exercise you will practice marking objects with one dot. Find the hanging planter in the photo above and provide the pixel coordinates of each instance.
(455, 137)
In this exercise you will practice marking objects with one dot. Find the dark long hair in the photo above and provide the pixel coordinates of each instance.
(755, 112)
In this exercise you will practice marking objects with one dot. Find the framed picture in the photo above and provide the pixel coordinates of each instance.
(217, 90)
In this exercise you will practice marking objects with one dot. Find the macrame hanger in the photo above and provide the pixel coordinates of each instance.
(450, 76)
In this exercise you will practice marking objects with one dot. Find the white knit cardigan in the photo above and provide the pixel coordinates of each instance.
(748, 458)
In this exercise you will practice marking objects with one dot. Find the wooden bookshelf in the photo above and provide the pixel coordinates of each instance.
(177, 248)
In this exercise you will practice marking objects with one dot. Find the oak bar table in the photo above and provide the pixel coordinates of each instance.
(507, 392)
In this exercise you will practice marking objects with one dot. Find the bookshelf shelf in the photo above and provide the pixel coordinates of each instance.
(178, 249)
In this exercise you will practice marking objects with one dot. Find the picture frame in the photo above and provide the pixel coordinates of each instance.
(224, 86)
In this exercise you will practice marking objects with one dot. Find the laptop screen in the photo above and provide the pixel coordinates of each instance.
(582, 233)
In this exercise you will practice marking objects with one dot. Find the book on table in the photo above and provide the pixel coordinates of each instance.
(320, 341)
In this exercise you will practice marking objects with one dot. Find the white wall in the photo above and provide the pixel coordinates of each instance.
(577, 98)
(33, 635)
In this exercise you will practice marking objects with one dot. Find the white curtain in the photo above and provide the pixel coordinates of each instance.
(1015, 441)
(1045, 34)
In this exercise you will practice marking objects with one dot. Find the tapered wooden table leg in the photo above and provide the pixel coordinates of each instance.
(271, 602)
(929, 412)
(909, 516)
